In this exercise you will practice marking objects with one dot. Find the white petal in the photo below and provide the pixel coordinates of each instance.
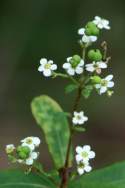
(110, 84)
(97, 18)
(40, 68)
(34, 155)
(79, 70)
(109, 77)
(66, 65)
(98, 86)
(81, 62)
(36, 141)
(68, 59)
(90, 68)
(86, 148)
(79, 149)
(43, 61)
(47, 72)
(50, 62)
(85, 118)
(81, 113)
(29, 161)
(78, 158)
(85, 39)
(81, 31)
(80, 171)
(100, 25)
(91, 154)
(103, 89)
(93, 38)
(75, 113)
(102, 65)
(71, 71)
(53, 67)
(88, 168)
(75, 120)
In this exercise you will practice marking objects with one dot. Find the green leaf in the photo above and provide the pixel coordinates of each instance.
(87, 91)
(79, 129)
(109, 177)
(71, 87)
(18, 179)
(53, 122)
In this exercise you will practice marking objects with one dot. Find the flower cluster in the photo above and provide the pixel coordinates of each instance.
(83, 155)
(24, 153)
(92, 29)
(76, 65)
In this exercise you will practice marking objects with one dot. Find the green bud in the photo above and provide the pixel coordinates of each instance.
(91, 29)
(75, 60)
(24, 149)
(95, 55)
(96, 79)
(22, 155)
(90, 25)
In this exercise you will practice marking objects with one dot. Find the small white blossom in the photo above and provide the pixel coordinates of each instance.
(47, 67)
(71, 70)
(83, 167)
(33, 156)
(105, 84)
(101, 23)
(96, 66)
(86, 38)
(84, 153)
(10, 148)
(31, 142)
(79, 118)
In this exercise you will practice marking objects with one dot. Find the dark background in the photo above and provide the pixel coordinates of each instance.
(31, 29)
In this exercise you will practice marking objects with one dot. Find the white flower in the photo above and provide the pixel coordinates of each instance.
(86, 38)
(10, 148)
(71, 70)
(33, 156)
(101, 23)
(96, 66)
(84, 153)
(47, 67)
(83, 167)
(105, 84)
(79, 118)
(31, 142)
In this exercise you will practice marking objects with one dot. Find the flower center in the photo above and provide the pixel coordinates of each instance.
(104, 82)
(78, 117)
(47, 66)
(29, 141)
(84, 154)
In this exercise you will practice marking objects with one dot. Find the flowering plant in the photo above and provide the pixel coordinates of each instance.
(84, 75)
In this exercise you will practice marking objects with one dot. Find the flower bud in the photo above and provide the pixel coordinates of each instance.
(91, 29)
(75, 60)
(22, 155)
(96, 79)
(23, 149)
(95, 55)
(110, 93)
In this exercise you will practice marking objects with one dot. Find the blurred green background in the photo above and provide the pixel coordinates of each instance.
(32, 29)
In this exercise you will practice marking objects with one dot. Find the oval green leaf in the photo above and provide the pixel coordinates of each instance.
(109, 177)
(49, 115)
(18, 179)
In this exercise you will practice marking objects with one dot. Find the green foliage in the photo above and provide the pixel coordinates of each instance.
(53, 122)
(109, 177)
(87, 91)
(18, 179)
(71, 87)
